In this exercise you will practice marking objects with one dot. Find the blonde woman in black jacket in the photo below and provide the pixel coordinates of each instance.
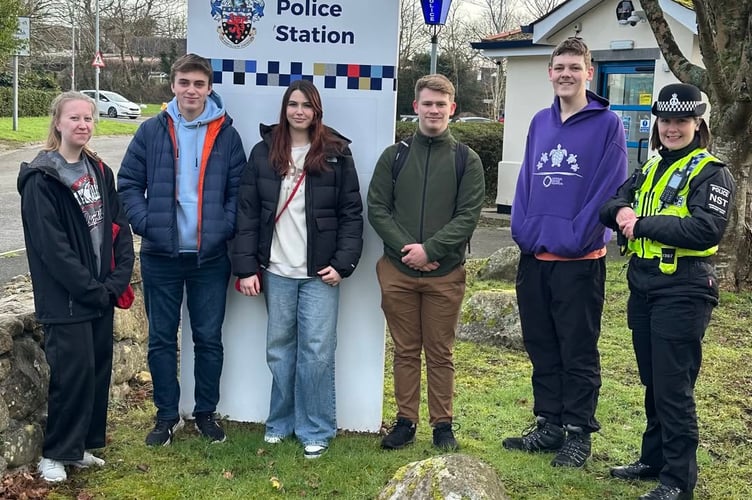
(70, 209)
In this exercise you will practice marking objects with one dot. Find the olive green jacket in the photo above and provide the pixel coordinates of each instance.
(425, 204)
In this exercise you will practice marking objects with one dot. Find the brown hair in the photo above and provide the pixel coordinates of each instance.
(437, 83)
(702, 135)
(54, 139)
(191, 62)
(323, 141)
(572, 45)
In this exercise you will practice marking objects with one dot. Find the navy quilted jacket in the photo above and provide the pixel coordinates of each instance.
(146, 183)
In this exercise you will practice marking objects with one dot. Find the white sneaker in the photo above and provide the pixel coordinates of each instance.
(52, 471)
(89, 460)
(314, 451)
(272, 439)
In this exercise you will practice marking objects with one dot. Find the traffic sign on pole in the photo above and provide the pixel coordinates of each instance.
(98, 61)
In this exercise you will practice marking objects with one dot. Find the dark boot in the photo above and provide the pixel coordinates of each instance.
(576, 448)
(400, 435)
(541, 436)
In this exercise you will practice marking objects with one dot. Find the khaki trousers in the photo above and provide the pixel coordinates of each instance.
(422, 315)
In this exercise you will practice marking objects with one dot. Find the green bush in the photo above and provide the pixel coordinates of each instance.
(484, 138)
(30, 102)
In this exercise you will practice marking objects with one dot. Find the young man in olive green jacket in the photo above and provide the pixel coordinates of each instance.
(425, 215)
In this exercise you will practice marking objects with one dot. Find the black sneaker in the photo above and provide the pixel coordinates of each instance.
(634, 471)
(443, 437)
(541, 436)
(400, 435)
(208, 427)
(665, 492)
(576, 449)
(163, 431)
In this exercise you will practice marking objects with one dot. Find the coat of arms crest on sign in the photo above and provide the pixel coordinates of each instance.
(236, 18)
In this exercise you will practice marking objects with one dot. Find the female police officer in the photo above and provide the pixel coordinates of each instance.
(672, 212)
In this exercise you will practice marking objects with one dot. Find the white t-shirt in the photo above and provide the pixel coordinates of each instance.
(289, 251)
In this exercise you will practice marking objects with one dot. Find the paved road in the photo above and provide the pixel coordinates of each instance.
(12, 256)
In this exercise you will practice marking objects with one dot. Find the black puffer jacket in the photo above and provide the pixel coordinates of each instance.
(334, 210)
(68, 286)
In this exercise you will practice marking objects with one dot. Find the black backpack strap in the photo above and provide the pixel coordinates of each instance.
(460, 161)
(403, 148)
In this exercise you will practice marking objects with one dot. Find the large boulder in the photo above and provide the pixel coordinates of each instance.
(454, 476)
(492, 317)
(501, 265)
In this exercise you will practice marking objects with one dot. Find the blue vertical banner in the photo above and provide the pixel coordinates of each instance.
(349, 50)
(435, 11)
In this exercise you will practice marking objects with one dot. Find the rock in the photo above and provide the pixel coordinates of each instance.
(5, 366)
(127, 359)
(10, 327)
(4, 416)
(501, 265)
(143, 377)
(491, 317)
(119, 391)
(22, 445)
(25, 388)
(454, 477)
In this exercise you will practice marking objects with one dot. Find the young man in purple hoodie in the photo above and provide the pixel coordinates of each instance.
(575, 159)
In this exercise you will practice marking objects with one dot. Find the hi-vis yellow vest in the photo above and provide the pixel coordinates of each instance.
(647, 202)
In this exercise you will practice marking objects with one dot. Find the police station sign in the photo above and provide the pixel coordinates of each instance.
(349, 50)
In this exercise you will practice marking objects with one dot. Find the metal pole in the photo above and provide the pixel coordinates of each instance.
(73, 57)
(15, 92)
(96, 71)
(434, 47)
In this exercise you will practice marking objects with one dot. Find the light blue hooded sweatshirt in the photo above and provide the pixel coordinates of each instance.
(190, 137)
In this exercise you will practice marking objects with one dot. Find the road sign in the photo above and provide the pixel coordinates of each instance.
(22, 35)
(98, 61)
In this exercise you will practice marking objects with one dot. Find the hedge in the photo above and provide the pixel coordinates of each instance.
(484, 138)
(30, 102)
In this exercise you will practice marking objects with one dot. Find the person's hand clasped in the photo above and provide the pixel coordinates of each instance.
(250, 286)
(330, 276)
(626, 219)
(415, 257)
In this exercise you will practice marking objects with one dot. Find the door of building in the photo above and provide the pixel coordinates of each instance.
(629, 88)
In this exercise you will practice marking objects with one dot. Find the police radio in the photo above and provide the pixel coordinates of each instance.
(675, 183)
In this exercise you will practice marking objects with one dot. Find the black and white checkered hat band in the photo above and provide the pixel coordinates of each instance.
(675, 106)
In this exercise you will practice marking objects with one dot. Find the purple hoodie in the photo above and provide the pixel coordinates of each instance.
(569, 171)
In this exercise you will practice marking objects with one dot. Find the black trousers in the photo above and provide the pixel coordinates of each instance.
(560, 307)
(80, 360)
(667, 331)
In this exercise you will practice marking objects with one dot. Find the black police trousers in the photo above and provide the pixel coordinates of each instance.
(668, 324)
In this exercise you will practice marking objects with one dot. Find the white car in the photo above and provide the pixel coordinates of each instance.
(114, 105)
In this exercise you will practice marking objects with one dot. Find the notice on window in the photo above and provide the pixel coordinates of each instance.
(646, 99)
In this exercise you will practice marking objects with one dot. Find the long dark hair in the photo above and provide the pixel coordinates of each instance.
(323, 141)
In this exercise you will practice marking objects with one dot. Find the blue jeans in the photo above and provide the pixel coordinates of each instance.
(301, 338)
(206, 291)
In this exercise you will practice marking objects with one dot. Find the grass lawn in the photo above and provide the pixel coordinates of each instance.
(35, 129)
(493, 400)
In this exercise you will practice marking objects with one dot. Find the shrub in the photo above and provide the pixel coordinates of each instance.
(30, 102)
(484, 138)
